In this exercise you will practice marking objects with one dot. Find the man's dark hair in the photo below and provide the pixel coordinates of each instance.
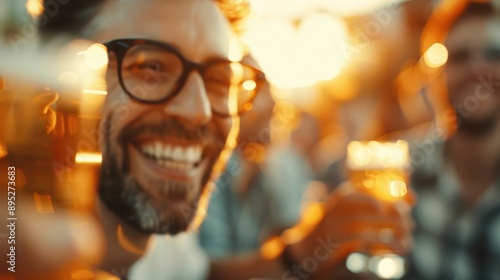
(71, 16)
(68, 16)
(476, 9)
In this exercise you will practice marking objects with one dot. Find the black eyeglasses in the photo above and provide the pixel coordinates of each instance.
(153, 72)
(462, 56)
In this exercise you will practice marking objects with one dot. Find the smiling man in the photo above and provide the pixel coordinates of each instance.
(178, 97)
(159, 155)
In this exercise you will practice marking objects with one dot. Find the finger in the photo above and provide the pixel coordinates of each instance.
(411, 197)
(401, 210)
(371, 227)
(51, 117)
(341, 191)
(354, 203)
(44, 100)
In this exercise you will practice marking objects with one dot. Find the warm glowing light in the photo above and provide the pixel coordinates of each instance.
(272, 248)
(376, 155)
(357, 156)
(387, 266)
(247, 107)
(436, 56)
(68, 78)
(297, 8)
(95, 91)
(96, 56)
(283, 8)
(354, 7)
(295, 56)
(43, 203)
(320, 37)
(292, 235)
(249, 85)
(238, 72)
(357, 262)
(34, 7)
(379, 167)
(94, 83)
(398, 188)
(313, 213)
(235, 50)
(88, 158)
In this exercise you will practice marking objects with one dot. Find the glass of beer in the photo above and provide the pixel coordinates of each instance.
(382, 170)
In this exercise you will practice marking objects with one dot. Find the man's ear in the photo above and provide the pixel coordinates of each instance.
(6, 101)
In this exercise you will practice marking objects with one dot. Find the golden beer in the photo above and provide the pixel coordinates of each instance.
(380, 168)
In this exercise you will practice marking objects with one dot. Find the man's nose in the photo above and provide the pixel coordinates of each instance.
(191, 105)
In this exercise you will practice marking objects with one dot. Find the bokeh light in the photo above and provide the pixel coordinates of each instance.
(68, 78)
(34, 7)
(96, 56)
(436, 56)
(357, 262)
(296, 55)
(249, 85)
(89, 158)
(387, 266)
(398, 188)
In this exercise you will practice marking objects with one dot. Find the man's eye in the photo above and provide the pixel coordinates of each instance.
(146, 66)
(458, 57)
(493, 54)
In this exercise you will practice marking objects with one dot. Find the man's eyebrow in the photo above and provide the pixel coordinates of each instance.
(139, 48)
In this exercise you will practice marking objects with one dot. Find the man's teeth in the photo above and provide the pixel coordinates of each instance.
(177, 154)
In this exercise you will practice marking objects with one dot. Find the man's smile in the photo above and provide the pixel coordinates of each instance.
(177, 160)
(174, 156)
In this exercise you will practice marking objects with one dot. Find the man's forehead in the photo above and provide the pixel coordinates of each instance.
(187, 24)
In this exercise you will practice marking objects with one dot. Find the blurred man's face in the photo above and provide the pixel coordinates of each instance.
(158, 158)
(473, 71)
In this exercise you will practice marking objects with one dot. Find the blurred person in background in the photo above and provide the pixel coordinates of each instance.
(456, 176)
(261, 190)
(456, 159)
(154, 180)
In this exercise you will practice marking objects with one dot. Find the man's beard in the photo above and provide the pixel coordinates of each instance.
(477, 127)
(125, 196)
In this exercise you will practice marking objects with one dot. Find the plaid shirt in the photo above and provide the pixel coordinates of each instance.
(452, 242)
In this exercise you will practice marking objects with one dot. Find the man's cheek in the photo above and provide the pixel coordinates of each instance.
(121, 107)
